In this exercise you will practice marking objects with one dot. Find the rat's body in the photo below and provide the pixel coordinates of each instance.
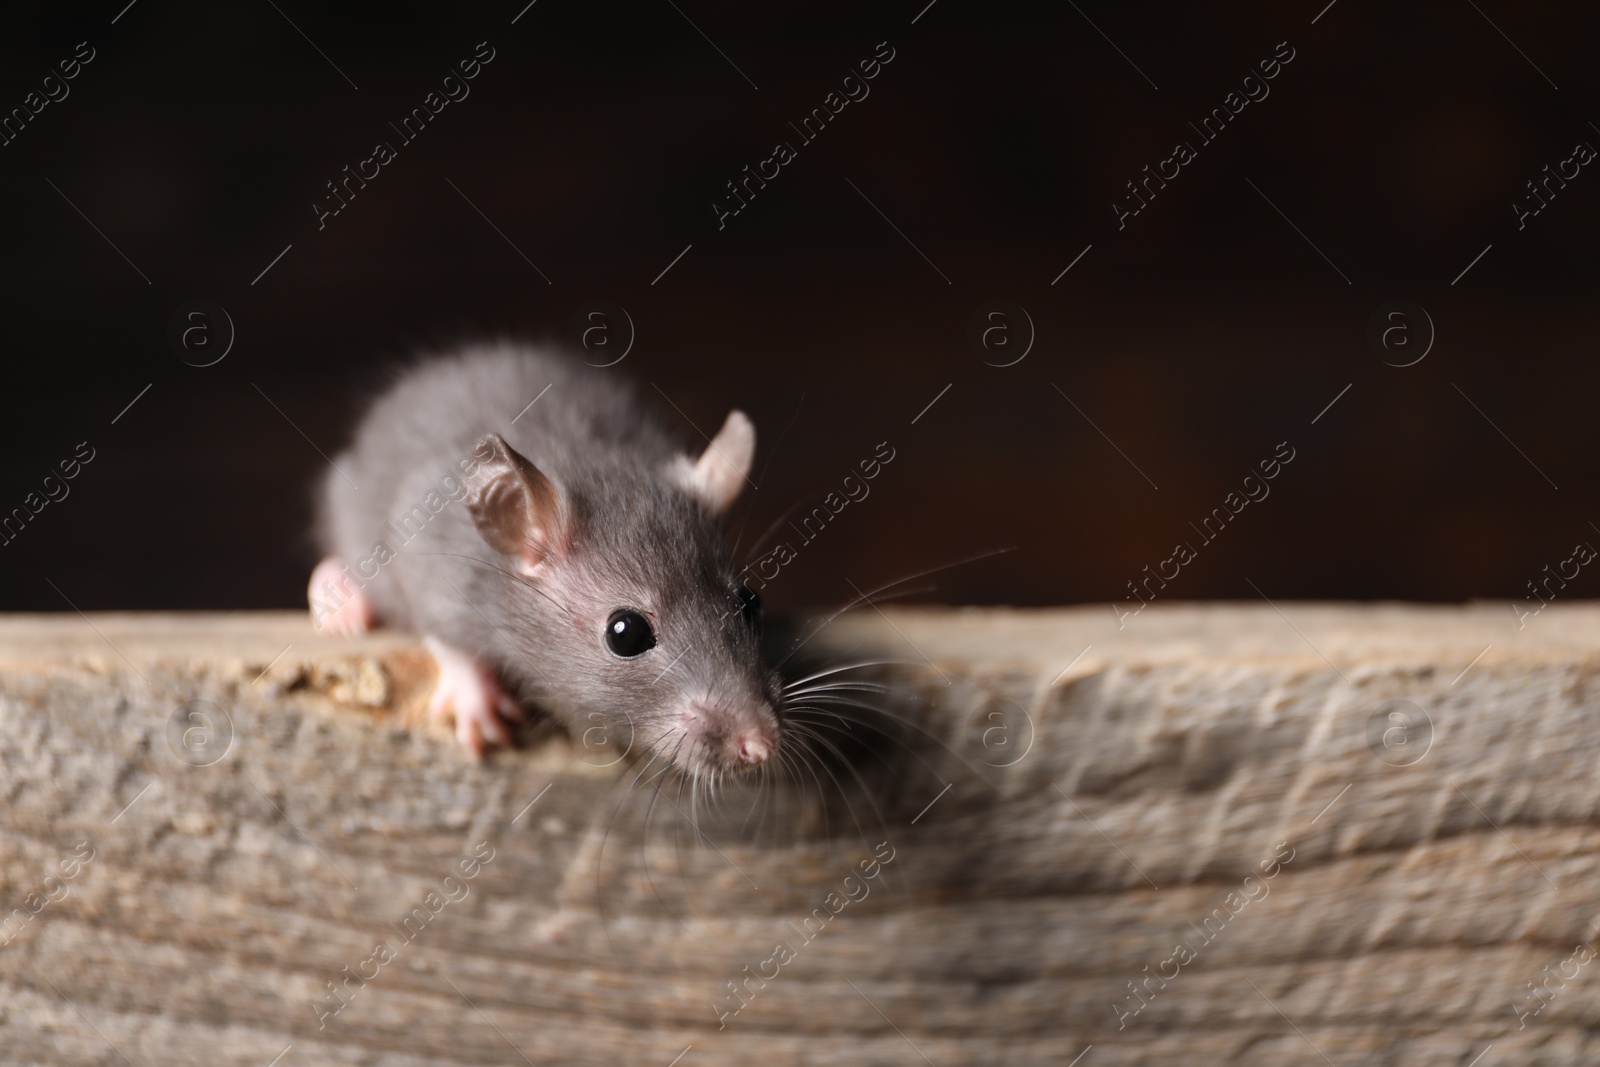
(564, 552)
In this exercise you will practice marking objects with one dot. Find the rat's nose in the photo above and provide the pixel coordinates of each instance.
(752, 748)
(730, 734)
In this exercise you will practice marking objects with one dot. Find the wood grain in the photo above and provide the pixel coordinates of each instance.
(1070, 802)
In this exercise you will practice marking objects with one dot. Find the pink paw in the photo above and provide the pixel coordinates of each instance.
(337, 603)
(470, 689)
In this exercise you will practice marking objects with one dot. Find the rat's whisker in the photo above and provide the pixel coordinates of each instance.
(766, 797)
(866, 793)
(811, 736)
(677, 834)
(797, 758)
(644, 838)
(763, 793)
(653, 751)
(771, 455)
(885, 713)
(943, 567)
(807, 715)
(666, 769)
(849, 667)
(838, 687)
(520, 579)
(864, 598)
(869, 596)
(787, 513)
(694, 808)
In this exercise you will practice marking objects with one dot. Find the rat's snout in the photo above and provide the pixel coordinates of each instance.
(741, 737)
(752, 748)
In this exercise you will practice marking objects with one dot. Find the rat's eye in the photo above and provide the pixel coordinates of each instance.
(628, 633)
(750, 605)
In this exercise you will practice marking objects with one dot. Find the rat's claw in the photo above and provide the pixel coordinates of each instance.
(470, 689)
(478, 730)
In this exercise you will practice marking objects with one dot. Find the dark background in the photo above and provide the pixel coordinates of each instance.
(1197, 338)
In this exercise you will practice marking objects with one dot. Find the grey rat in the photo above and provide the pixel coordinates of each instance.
(564, 553)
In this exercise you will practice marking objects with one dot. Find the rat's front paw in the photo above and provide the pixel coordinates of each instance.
(337, 603)
(469, 688)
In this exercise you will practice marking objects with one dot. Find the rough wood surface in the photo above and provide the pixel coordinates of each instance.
(1111, 794)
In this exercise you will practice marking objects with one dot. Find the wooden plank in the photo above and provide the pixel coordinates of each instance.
(1072, 803)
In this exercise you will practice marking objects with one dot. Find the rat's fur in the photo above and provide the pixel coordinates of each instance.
(627, 537)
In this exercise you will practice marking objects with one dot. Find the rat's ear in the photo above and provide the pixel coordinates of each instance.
(716, 478)
(516, 509)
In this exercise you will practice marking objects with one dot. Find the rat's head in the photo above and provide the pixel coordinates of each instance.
(637, 626)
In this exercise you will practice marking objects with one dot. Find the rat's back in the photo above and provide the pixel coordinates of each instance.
(563, 415)
(557, 411)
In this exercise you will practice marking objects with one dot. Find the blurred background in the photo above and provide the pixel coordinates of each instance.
(1144, 363)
